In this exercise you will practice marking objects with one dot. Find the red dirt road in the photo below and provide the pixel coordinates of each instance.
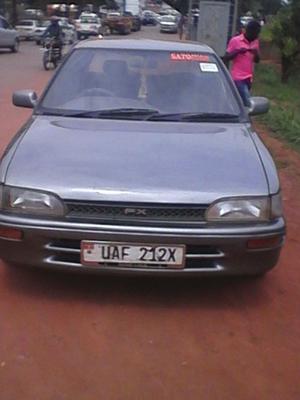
(86, 337)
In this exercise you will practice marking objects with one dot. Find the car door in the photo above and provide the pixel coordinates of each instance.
(9, 33)
(4, 33)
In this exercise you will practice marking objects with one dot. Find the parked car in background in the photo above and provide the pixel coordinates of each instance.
(88, 24)
(9, 37)
(245, 19)
(135, 20)
(169, 23)
(149, 18)
(140, 158)
(27, 28)
(32, 13)
(119, 23)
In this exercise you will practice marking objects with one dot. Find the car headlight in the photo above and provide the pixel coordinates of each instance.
(276, 206)
(250, 209)
(30, 202)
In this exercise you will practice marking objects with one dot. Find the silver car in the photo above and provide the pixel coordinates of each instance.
(27, 28)
(9, 37)
(146, 164)
(169, 23)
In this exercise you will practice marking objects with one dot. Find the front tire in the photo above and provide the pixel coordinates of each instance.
(47, 63)
(107, 31)
(15, 47)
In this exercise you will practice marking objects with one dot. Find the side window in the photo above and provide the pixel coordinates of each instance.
(5, 24)
(1, 23)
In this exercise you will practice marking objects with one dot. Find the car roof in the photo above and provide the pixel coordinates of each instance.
(26, 20)
(88, 14)
(144, 44)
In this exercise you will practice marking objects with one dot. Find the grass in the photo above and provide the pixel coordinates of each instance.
(284, 115)
(266, 34)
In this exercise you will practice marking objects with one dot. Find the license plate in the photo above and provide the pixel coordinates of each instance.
(131, 254)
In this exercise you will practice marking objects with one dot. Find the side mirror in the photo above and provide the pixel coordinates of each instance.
(259, 105)
(24, 98)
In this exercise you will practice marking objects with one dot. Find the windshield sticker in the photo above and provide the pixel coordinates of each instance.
(189, 57)
(209, 67)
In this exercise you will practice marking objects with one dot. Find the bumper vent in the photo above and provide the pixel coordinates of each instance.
(67, 252)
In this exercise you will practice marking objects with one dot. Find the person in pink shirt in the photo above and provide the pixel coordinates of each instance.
(243, 51)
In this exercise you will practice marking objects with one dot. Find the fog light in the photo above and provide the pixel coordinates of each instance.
(11, 233)
(264, 243)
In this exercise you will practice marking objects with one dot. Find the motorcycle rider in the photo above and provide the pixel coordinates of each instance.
(54, 31)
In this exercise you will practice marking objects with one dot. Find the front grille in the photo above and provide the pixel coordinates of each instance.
(135, 213)
(67, 252)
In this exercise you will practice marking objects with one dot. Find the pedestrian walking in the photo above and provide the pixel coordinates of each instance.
(243, 51)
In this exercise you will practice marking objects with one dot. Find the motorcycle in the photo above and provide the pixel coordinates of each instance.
(52, 54)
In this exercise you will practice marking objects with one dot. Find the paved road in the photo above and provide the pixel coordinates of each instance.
(90, 338)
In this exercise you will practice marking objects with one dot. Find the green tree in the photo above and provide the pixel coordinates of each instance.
(266, 7)
(286, 35)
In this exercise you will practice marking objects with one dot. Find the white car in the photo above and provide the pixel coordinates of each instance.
(244, 20)
(89, 24)
(27, 28)
(9, 37)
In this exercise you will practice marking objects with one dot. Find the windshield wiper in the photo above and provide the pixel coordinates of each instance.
(148, 114)
(194, 117)
(130, 113)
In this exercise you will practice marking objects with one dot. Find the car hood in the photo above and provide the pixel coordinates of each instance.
(113, 160)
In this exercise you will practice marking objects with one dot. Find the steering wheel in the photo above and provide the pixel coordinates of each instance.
(98, 92)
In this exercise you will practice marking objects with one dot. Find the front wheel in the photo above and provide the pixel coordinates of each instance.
(47, 62)
(15, 47)
(107, 31)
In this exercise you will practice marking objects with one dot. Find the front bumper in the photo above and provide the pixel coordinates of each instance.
(26, 35)
(87, 33)
(171, 29)
(209, 251)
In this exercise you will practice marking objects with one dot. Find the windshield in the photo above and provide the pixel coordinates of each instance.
(45, 23)
(168, 18)
(167, 82)
(89, 20)
(26, 23)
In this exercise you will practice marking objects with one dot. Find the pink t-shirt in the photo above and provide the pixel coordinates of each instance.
(242, 64)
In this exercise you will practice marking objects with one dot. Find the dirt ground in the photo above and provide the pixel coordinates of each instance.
(288, 164)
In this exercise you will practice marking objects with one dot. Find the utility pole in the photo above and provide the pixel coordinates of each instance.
(14, 13)
(189, 23)
(235, 15)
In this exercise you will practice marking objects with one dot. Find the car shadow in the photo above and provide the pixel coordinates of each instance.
(218, 292)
